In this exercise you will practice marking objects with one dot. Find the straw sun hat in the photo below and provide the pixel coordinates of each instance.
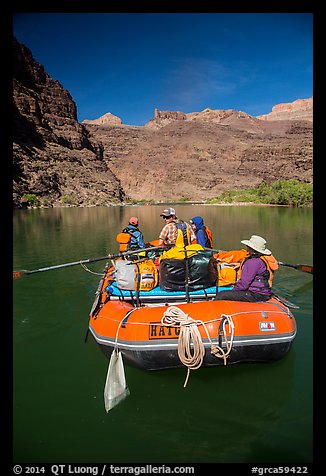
(257, 243)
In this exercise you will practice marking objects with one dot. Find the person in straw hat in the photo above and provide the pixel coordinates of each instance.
(256, 274)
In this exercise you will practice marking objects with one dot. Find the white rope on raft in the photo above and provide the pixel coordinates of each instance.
(189, 333)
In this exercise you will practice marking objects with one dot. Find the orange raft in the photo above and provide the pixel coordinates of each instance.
(152, 336)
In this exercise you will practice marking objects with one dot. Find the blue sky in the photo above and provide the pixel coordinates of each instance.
(130, 63)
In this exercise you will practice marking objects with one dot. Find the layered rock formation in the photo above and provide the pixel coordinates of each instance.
(189, 159)
(298, 109)
(174, 156)
(163, 118)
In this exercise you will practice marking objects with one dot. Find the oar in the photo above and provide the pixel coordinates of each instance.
(300, 267)
(212, 249)
(23, 272)
(285, 301)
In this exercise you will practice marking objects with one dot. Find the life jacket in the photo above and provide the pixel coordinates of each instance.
(183, 237)
(209, 237)
(271, 267)
(123, 239)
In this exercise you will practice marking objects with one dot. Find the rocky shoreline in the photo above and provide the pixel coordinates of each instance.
(226, 204)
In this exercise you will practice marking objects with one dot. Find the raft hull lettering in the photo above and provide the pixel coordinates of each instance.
(267, 326)
(158, 331)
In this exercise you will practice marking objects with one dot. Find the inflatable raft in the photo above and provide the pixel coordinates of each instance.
(157, 329)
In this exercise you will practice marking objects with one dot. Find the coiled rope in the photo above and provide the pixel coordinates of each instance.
(189, 333)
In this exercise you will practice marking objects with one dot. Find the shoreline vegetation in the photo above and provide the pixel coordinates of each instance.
(279, 193)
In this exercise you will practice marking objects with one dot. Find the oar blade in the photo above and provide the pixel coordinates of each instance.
(285, 301)
(306, 268)
(300, 267)
(18, 274)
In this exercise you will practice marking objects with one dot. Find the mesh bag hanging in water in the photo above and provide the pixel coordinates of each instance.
(116, 388)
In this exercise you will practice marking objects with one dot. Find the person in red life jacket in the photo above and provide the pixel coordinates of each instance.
(257, 270)
(203, 233)
(170, 232)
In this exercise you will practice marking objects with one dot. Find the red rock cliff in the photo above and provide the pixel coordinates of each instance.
(54, 158)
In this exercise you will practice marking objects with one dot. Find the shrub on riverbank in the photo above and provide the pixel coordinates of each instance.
(281, 192)
(30, 199)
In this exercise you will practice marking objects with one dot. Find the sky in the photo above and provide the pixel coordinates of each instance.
(128, 64)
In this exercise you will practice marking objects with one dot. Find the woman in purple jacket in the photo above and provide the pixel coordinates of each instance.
(254, 284)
